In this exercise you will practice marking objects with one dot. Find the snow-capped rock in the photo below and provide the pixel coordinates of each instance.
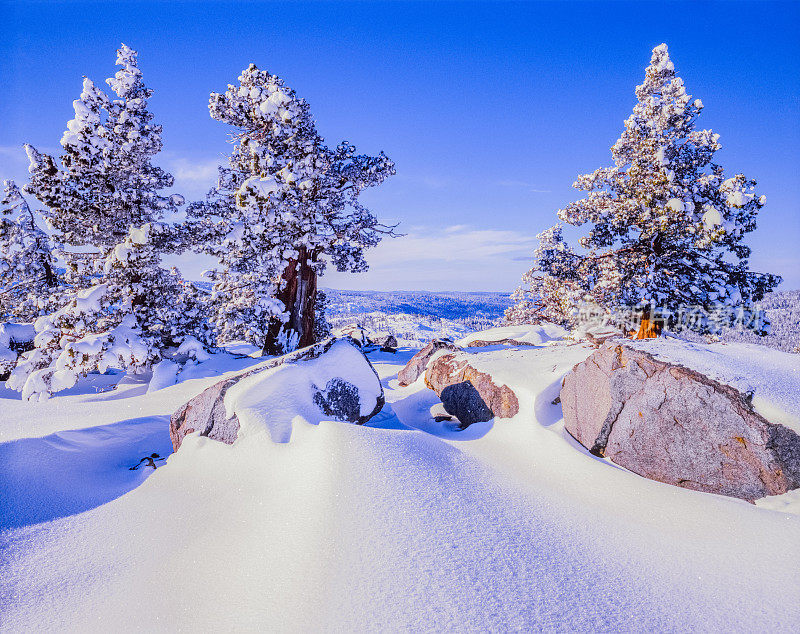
(472, 396)
(676, 424)
(383, 339)
(416, 366)
(329, 380)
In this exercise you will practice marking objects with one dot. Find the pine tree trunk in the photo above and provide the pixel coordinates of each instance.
(298, 293)
(649, 328)
(49, 275)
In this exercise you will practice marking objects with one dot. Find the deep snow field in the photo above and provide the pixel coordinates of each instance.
(404, 523)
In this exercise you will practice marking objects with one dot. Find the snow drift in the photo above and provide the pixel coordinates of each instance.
(405, 523)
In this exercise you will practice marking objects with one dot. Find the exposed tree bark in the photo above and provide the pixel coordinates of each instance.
(298, 293)
(649, 327)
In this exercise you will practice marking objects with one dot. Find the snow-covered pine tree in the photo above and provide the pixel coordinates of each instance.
(27, 274)
(103, 204)
(667, 227)
(548, 296)
(125, 320)
(106, 183)
(284, 204)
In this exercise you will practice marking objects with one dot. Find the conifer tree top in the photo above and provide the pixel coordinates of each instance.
(129, 76)
(666, 226)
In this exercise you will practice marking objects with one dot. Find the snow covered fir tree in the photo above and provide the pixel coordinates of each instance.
(666, 227)
(284, 206)
(119, 307)
(27, 272)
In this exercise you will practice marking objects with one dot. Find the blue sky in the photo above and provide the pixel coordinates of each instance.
(489, 110)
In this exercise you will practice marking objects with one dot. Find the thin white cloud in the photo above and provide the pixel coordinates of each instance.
(458, 244)
(454, 258)
(193, 177)
(195, 172)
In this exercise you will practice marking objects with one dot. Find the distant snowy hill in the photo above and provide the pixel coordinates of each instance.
(450, 305)
(416, 317)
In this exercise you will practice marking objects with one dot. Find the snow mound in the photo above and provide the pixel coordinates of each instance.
(339, 383)
(536, 335)
(16, 333)
(771, 376)
(68, 472)
(402, 524)
(165, 374)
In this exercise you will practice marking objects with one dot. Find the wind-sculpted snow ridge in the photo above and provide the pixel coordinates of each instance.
(536, 335)
(405, 523)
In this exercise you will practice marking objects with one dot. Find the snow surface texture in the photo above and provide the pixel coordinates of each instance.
(538, 335)
(405, 523)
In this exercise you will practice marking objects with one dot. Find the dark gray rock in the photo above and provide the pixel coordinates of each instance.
(464, 401)
(341, 400)
(383, 340)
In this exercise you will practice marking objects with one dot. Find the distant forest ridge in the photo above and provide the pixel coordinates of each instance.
(447, 304)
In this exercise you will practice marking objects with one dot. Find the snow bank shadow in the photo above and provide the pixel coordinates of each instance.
(386, 419)
(129, 386)
(413, 413)
(547, 411)
(43, 479)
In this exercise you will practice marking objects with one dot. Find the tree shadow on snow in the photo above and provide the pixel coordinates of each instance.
(65, 473)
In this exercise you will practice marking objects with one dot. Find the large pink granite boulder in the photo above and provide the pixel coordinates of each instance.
(416, 366)
(467, 393)
(676, 425)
